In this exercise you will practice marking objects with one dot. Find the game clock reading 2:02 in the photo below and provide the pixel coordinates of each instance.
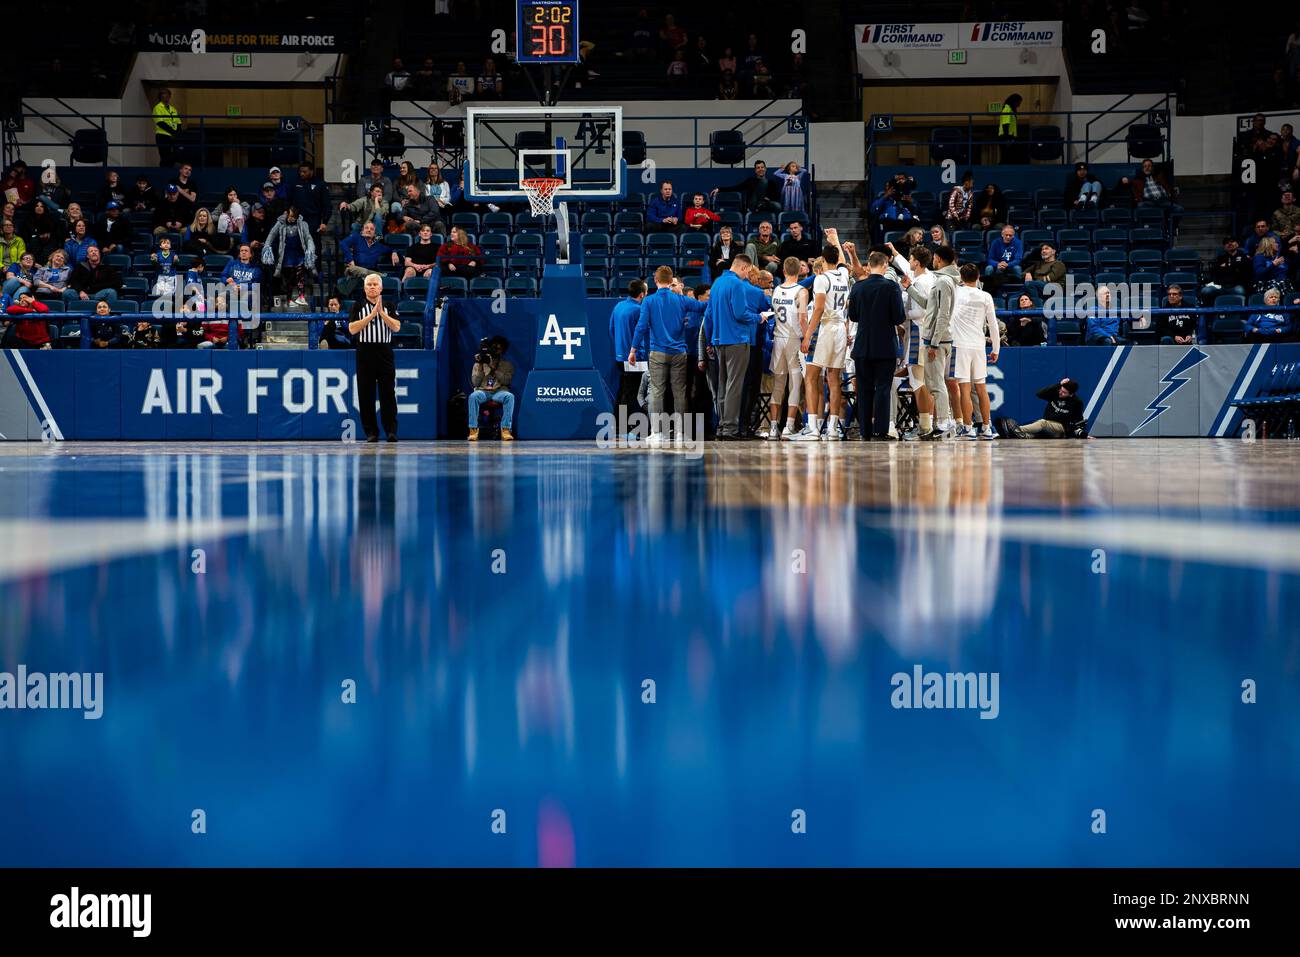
(548, 31)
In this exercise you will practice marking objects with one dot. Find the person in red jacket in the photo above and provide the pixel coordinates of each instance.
(29, 330)
(699, 216)
(458, 256)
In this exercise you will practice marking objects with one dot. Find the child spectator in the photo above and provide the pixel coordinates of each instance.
(142, 197)
(792, 188)
(678, 71)
(29, 329)
(275, 176)
(699, 216)
(458, 256)
(289, 248)
(168, 273)
(1269, 326)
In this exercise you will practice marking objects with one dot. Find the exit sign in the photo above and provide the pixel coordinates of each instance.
(957, 57)
(994, 107)
(241, 59)
(234, 109)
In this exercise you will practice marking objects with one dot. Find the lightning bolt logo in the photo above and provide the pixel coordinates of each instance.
(1174, 380)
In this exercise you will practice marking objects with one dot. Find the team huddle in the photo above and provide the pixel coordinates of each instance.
(920, 318)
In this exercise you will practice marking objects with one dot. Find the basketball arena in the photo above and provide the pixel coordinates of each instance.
(560, 434)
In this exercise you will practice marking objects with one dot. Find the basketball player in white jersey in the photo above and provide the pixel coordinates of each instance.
(826, 344)
(790, 306)
(917, 270)
(973, 314)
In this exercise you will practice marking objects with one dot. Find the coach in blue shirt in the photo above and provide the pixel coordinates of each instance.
(622, 324)
(660, 333)
(729, 320)
(663, 214)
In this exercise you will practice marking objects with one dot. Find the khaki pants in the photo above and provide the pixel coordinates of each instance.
(1044, 427)
(665, 369)
(936, 374)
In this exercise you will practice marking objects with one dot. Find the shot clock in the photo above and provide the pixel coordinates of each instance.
(548, 31)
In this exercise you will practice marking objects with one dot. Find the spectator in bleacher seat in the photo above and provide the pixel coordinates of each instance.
(105, 333)
(1248, 140)
(1232, 272)
(216, 335)
(45, 233)
(12, 246)
(242, 271)
(1009, 130)
(79, 242)
(1044, 271)
(678, 72)
(888, 211)
(231, 214)
(458, 256)
(936, 238)
(1152, 187)
(334, 332)
(256, 228)
(142, 197)
(371, 208)
(71, 213)
(363, 253)
(1005, 253)
(961, 203)
(727, 62)
(437, 188)
(671, 38)
(799, 246)
(20, 275)
(792, 188)
(417, 210)
(698, 217)
(459, 85)
(491, 84)
(490, 378)
(113, 191)
(758, 192)
(1269, 326)
(1286, 218)
(398, 78)
(52, 278)
(1176, 328)
(1082, 189)
(289, 248)
(406, 176)
(17, 186)
(93, 279)
(1103, 324)
(275, 176)
(169, 273)
(1262, 232)
(421, 256)
(311, 199)
(642, 40)
(990, 208)
(173, 214)
(728, 88)
(166, 124)
(424, 82)
(700, 62)
(113, 232)
(622, 324)
(1026, 330)
(1270, 267)
(913, 237)
(663, 213)
(56, 195)
(761, 81)
(201, 237)
(27, 327)
(763, 249)
(274, 205)
(185, 183)
(376, 178)
(723, 252)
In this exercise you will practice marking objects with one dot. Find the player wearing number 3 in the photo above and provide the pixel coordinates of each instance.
(790, 306)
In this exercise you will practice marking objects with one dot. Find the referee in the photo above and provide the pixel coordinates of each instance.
(373, 326)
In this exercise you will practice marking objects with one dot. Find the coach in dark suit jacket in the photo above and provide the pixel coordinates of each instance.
(876, 306)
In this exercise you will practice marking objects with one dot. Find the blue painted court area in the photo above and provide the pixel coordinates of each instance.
(500, 608)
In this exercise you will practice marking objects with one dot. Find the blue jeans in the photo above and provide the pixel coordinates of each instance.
(1089, 193)
(12, 286)
(377, 219)
(109, 295)
(1012, 270)
(504, 396)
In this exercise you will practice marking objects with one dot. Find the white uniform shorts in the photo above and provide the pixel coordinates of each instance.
(832, 346)
(971, 364)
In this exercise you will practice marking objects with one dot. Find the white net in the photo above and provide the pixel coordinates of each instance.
(541, 194)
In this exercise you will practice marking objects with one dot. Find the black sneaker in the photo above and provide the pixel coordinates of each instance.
(392, 438)
(371, 439)
(934, 435)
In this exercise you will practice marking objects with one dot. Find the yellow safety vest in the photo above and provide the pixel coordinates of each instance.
(166, 120)
(1007, 124)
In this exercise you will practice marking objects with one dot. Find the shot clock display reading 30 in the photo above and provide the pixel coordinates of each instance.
(548, 31)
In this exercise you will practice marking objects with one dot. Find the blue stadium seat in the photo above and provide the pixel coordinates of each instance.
(417, 287)
(1228, 329)
(596, 286)
(1048, 199)
(595, 264)
(409, 336)
(1069, 331)
(1014, 197)
(135, 287)
(468, 221)
(594, 243)
(695, 245)
(1113, 237)
(1034, 238)
(453, 287)
(1149, 216)
(949, 142)
(213, 263)
(1189, 281)
(1046, 143)
(629, 222)
(1116, 216)
(529, 243)
(482, 287)
(1084, 217)
(795, 216)
(1185, 259)
(410, 307)
(126, 306)
(141, 263)
(399, 240)
(727, 200)
(628, 243)
(502, 221)
(967, 237)
(392, 287)
(1076, 260)
(1110, 259)
(79, 307)
(733, 219)
(1074, 238)
(1053, 218)
(521, 287)
(658, 243)
(1104, 278)
(119, 261)
(1146, 238)
(1146, 259)
(597, 222)
(1144, 278)
(494, 244)
(970, 254)
(523, 267)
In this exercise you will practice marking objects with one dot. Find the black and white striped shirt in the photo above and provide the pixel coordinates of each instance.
(376, 333)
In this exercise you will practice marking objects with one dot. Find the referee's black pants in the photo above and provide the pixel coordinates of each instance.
(376, 372)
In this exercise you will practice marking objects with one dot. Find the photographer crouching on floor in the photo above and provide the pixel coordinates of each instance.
(491, 380)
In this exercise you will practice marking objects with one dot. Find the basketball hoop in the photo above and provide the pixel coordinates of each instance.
(541, 192)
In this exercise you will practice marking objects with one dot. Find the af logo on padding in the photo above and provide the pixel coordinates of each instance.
(572, 336)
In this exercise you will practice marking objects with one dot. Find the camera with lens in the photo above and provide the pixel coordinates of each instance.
(485, 355)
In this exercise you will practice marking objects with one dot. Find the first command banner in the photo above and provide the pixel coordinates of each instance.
(982, 34)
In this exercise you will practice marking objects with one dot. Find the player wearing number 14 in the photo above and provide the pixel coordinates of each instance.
(548, 31)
